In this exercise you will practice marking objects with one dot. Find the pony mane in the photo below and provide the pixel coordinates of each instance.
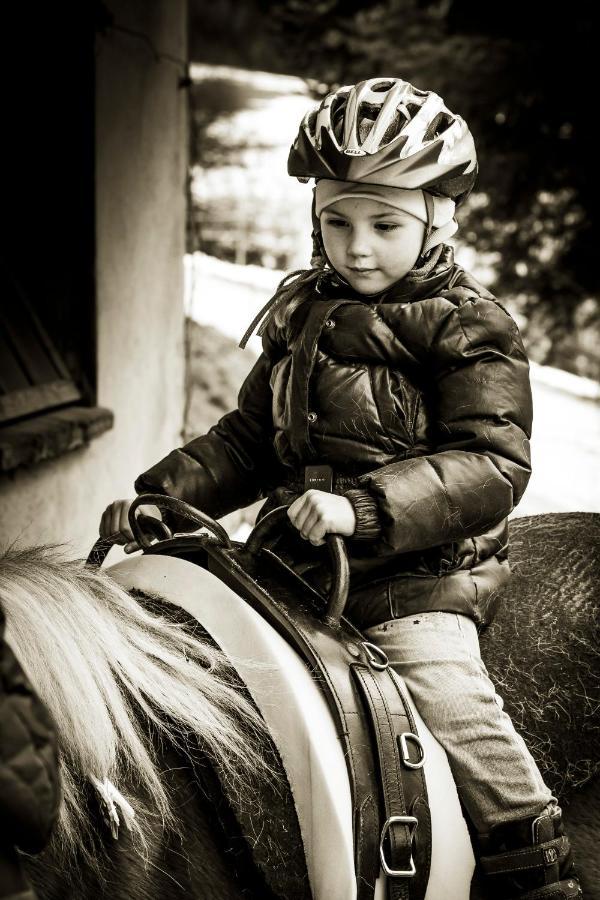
(118, 680)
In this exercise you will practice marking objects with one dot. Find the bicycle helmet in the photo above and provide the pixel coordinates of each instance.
(385, 131)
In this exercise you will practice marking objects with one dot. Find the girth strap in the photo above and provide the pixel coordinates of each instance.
(405, 837)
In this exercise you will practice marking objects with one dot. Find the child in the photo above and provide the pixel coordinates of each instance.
(393, 366)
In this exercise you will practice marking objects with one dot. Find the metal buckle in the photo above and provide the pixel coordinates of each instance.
(376, 657)
(404, 738)
(412, 823)
(551, 811)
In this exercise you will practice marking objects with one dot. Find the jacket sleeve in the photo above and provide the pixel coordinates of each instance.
(482, 413)
(226, 468)
(29, 772)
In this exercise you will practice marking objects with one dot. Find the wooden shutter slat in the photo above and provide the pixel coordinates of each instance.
(33, 376)
(12, 377)
(27, 346)
(37, 398)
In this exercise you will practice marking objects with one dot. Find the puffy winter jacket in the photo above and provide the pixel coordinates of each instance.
(29, 782)
(420, 401)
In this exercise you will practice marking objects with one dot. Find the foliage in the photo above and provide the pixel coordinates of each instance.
(210, 99)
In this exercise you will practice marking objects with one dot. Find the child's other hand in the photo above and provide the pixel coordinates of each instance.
(317, 513)
(114, 523)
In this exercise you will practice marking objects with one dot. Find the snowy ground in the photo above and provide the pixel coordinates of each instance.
(566, 438)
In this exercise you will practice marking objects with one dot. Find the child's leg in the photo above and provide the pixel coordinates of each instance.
(437, 655)
(521, 843)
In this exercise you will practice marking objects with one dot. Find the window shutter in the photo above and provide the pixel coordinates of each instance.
(33, 377)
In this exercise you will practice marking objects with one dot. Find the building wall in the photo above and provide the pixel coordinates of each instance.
(141, 170)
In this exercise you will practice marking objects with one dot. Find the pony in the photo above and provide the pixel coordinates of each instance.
(161, 742)
(145, 711)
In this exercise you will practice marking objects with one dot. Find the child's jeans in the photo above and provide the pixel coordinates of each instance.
(437, 655)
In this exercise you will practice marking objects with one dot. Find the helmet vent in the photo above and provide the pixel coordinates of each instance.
(369, 111)
(438, 126)
(367, 115)
(394, 128)
(311, 122)
(382, 86)
(364, 129)
(337, 116)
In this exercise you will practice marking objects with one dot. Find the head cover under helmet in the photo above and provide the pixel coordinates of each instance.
(437, 213)
(384, 131)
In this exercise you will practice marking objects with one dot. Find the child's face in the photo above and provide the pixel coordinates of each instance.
(370, 244)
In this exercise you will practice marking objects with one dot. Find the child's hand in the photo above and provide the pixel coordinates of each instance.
(317, 513)
(114, 523)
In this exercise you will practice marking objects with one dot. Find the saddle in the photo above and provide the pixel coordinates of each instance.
(366, 699)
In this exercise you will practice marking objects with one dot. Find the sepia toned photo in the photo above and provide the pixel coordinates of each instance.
(299, 445)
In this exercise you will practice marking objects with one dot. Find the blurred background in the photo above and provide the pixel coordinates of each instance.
(153, 152)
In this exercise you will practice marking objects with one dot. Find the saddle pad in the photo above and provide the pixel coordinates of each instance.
(299, 721)
(291, 703)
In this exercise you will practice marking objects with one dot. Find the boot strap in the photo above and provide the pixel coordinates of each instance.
(541, 856)
(567, 889)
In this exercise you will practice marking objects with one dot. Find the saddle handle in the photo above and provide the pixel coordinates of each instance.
(174, 505)
(338, 595)
(97, 555)
(144, 527)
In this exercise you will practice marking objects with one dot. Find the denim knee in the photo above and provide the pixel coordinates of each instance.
(437, 655)
(430, 635)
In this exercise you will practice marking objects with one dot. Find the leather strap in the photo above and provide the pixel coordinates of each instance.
(329, 653)
(538, 857)
(567, 889)
(405, 834)
(304, 353)
(387, 710)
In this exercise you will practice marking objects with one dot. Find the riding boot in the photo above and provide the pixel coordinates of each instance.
(528, 859)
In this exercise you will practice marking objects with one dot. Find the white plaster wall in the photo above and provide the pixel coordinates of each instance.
(141, 170)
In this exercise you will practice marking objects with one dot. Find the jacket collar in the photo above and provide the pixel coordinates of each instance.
(425, 281)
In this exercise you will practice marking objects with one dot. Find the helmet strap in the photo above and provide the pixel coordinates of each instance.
(319, 257)
(430, 214)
